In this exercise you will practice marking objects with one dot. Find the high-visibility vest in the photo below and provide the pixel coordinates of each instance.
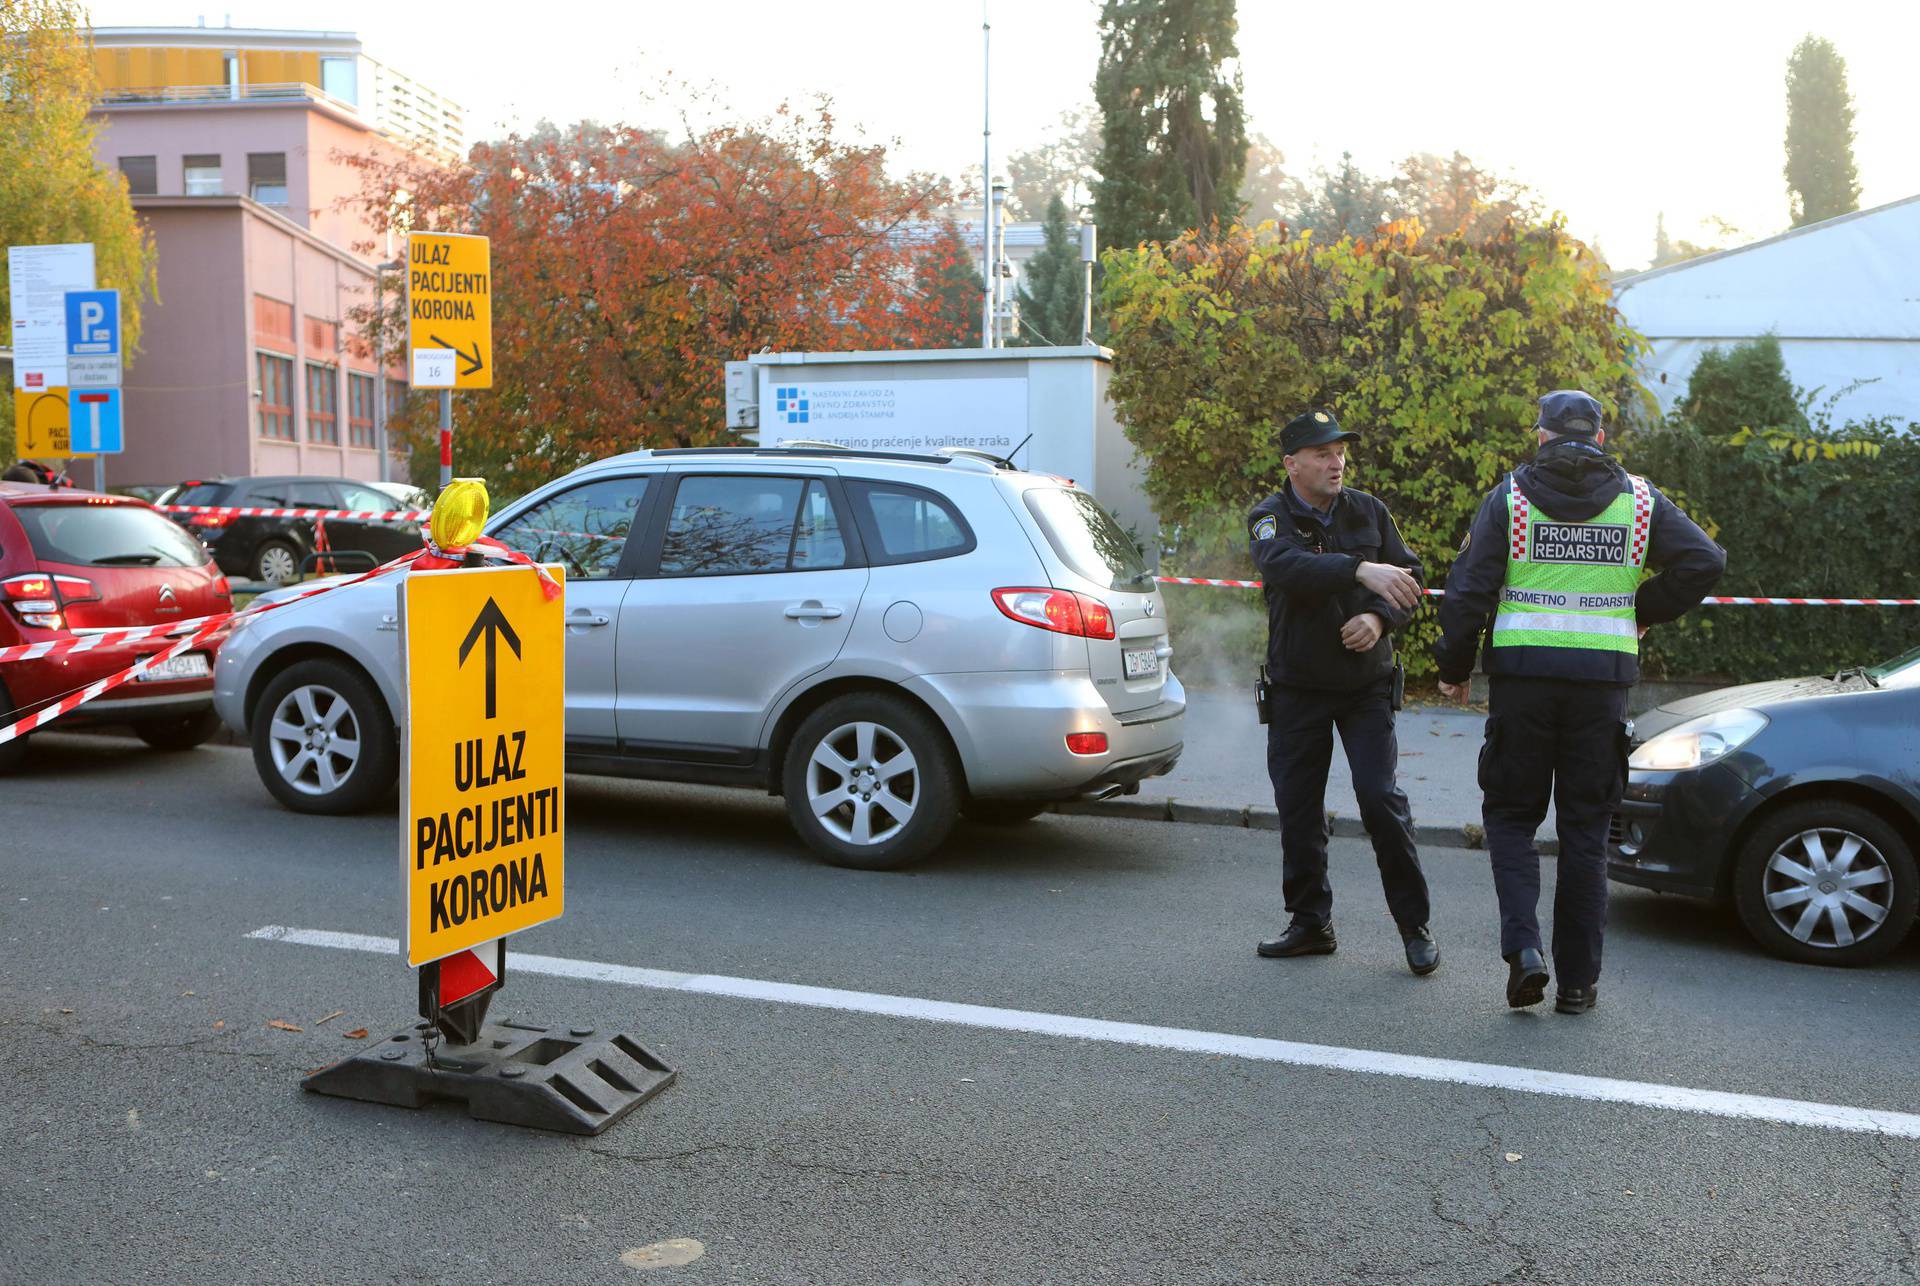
(1571, 584)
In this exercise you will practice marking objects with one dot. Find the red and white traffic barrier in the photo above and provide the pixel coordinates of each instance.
(73, 700)
(1723, 601)
(248, 511)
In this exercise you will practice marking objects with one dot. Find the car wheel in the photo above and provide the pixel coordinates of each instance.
(276, 562)
(870, 782)
(180, 732)
(323, 741)
(1002, 812)
(13, 753)
(1826, 882)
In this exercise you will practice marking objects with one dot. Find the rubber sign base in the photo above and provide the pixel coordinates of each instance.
(565, 1079)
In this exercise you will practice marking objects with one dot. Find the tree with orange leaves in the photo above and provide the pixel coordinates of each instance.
(628, 269)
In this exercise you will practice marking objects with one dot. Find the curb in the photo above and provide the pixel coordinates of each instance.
(1462, 835)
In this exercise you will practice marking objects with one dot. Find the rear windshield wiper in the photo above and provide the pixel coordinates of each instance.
(1858, 671)
(144, 560)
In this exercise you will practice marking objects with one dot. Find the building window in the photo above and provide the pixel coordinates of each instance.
(339, 78)
(323, 405)
(267, 177)
(201, 176)
(276, 397)
(399, 393)
(360, 410)
(143, 175)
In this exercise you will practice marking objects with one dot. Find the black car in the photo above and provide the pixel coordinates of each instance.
(275, 549)
(1799, 799)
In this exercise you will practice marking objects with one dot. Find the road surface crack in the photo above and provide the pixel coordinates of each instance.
(1898, 1209)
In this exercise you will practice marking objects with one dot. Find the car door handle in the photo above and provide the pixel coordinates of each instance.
(812, 612)
(588, 620)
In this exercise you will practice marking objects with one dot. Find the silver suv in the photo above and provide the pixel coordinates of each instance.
(888, 641)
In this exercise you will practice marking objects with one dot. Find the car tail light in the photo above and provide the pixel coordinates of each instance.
(1059, 610)
(209, 524)
(1087, 743)
(37, 597)
(221, 588)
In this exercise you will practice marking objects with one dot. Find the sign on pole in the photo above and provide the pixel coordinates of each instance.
(450, 310)
(483, 757)
(93, 338)
(38, 279)
(93, 415)
(40, 422)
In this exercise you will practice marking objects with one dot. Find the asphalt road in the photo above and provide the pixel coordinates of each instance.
(153, 1127)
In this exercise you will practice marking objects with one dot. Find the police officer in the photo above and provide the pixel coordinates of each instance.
(1555, 558)
(1338, 581)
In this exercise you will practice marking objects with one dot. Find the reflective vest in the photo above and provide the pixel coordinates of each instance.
(1571, 584)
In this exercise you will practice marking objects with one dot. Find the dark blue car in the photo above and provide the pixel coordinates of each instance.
(1799, 799)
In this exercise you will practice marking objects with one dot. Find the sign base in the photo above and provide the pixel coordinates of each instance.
(565, 1079)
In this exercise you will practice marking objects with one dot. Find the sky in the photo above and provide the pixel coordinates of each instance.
(1612, 114)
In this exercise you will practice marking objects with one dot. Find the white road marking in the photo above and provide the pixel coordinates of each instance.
(1526, 1080)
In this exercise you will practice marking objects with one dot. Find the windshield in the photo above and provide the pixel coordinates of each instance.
(90, 535)
(1901, 672)
(200, 493)
(1088, 539)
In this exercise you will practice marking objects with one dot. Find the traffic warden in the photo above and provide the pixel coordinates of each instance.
(1554, 562)
(1338, 582)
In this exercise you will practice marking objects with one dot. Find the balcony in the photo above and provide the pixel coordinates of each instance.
(269, 92)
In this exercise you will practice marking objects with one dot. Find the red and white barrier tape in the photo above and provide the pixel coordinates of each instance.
(1720, 601)
(230, 511)
(73, 700)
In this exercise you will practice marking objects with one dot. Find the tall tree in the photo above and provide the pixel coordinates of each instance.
(1348, 202)
(51, 188)
(1821, 179)
(1267, 190)
(1053, 285)
(947, 288)
(1061, 165)
(628, 269)
(1173, 131)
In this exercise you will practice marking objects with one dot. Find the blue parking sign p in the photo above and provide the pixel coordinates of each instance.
(93, 322)
(94, 421)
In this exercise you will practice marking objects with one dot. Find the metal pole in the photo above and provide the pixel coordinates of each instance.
(988, 284)
(446, 438)
(1088, 249)
(380, 367)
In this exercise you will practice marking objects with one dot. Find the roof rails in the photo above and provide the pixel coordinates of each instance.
(967, 458)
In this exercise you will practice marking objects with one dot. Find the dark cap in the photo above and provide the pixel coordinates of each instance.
(1571, 412)
(1313, 429)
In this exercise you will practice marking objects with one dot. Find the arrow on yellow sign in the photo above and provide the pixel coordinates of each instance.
(493, 622)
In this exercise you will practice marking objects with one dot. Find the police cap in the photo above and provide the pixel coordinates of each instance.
(1312, 429)
(1570, 412)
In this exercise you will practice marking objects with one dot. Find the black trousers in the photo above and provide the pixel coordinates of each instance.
(1553, 738)
(1299, 751)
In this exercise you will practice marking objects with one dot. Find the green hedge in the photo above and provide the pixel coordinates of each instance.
(1820, 515)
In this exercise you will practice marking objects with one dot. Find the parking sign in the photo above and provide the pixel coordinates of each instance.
(93, 338)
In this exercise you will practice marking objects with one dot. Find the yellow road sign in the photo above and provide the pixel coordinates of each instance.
(483, 756)
(450, 310)
(40, 422)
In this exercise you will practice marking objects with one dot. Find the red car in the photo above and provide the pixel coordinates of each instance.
(76, 562)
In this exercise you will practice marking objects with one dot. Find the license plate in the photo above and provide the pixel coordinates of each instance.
(191, 666)
(1141, 662)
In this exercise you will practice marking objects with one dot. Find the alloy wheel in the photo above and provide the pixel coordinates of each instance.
(863, 783)
(1828, 888)
(315, 739)
(276, 564)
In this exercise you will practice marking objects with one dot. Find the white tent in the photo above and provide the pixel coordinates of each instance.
(1843, 296)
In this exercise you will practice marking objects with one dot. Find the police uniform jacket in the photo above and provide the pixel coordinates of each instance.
(1571, 481)
(1307, 565)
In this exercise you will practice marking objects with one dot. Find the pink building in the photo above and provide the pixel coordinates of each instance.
(249, 360)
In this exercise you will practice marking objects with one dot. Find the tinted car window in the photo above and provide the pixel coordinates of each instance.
(908, 524)
(748, 523)
(1088, 539)
(367, 500)
(108, 536)
(583, 529)
(201, 493)
(312, 495)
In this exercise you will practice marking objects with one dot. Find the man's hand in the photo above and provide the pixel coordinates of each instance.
(1395, 584)
(1362, 632)
(1454, 691)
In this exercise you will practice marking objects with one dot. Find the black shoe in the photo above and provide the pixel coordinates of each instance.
(1300, 940)
(1576, 1000)
(1422, 956)
(1526, 978)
